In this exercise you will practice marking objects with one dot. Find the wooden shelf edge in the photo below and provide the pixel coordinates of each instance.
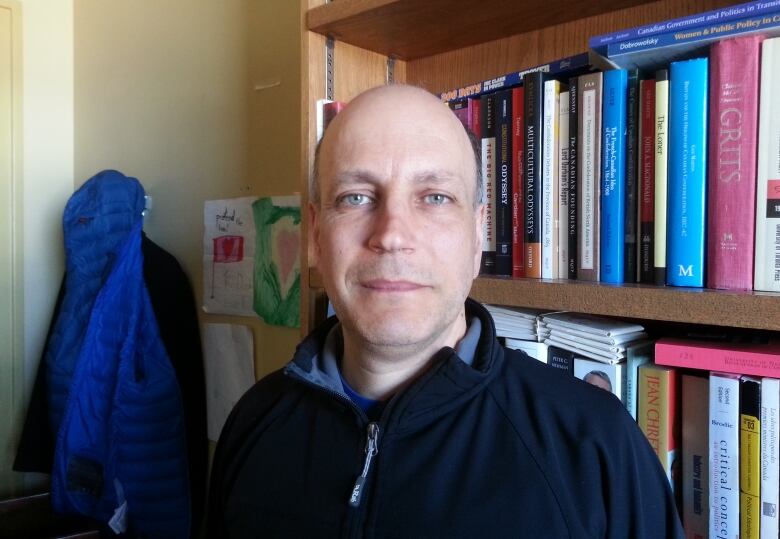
(410, 29)
(726, 308)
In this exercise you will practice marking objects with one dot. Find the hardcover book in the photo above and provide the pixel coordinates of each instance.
(632, 181)
(503, 198)
(661, 164)
(550, 195)
(646, 181)
(653, 52)
(724, 455)
(695, 456)
(734, 84)
(767, 258)
(658, 414)
(518, 151)
(750, 457)
(533, 85)
(613, 179)
(770, 464)
(589, 176)
(686, 23)
(488, 130)
(760, 358)
(685, 235)
(637, 354)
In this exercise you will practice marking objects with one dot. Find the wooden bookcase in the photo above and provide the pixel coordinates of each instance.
(444, 44)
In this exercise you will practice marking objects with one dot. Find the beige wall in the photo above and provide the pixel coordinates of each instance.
(165, 92)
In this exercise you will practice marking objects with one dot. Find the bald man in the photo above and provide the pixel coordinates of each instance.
(403, 416)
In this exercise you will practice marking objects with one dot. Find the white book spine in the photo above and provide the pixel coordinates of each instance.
(724, 455)
(550, 179)
(563, 187)
(767, 254)
(695, 480)
(770, 465)
(588, 181)
(661, 150)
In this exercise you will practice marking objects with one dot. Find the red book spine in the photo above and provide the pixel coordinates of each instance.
(475, 117)
(751, 359)
(731, 181)
(518, 236)
(646, 180)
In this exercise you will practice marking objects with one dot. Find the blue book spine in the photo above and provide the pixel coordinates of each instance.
(686, 193)
(613, 176)
(698, 36)
(600, 43)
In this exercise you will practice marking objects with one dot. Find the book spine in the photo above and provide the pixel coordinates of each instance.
(504, 183)
(488, 130)
(699, 36)
(646, 181)
(533, 83)
(613, 180)
(733, 360)
(562, 219)
(552, 90)
(636, 356)
(731, 184)
(589, 177)
(561, 359)
(632, 181)
(475, 117)
(518, 150)
(460, 108)
(687, 176)
(724, 455)
(599, 43)
(661, 164)
(770, 464)
(573, 175)
(749, 457)
(657, 417)
(695, 477)
(767, 257)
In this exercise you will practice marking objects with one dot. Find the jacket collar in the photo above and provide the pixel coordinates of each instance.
(447, 382)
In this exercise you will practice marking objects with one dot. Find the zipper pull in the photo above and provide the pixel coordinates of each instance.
(371, 449)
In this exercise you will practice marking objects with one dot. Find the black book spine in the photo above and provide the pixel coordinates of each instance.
(559, 358)
(573, 170)
(630, 274)
(504, 182)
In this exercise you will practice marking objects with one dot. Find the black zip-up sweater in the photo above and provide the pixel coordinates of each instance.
(508, 447)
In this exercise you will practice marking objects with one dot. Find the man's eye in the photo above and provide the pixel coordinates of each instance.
(355, 199)
(436, 199)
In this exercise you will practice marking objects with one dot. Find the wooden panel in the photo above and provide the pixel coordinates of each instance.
(758, 310)
(488, 60)
(410, 29)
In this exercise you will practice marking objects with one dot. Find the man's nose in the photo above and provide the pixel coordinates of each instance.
(392, 228)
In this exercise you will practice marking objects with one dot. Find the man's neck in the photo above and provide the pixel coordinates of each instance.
(379, 372)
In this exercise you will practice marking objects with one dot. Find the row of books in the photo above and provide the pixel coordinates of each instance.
(708, 405)
(618, 177)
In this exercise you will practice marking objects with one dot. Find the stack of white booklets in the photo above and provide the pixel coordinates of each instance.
(520, 329)
(600, 339)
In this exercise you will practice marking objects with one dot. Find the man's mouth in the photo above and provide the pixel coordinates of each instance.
(387, 285)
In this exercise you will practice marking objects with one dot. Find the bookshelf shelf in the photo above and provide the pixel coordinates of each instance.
(445, 44)
(410, 29)
(751, 310)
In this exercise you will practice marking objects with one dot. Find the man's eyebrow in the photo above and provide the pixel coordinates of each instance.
(356, 176)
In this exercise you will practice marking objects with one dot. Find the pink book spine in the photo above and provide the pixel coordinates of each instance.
(733, 132)
(475, 117)
(518, 237)
(709, 357)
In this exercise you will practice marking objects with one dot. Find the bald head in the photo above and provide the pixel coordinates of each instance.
(393, 112)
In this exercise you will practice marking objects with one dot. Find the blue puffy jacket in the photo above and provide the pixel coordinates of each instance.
(114, 401)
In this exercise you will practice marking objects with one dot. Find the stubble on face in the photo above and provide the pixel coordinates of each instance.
(397, 268)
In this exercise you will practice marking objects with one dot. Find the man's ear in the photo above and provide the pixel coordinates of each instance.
(478, 237)
(314, 234)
